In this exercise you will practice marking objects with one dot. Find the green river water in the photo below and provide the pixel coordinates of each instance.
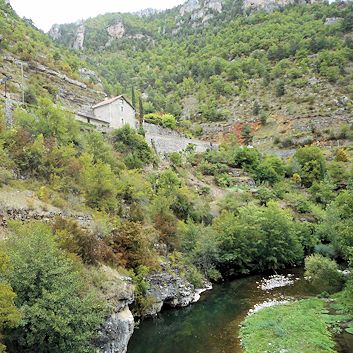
(212, 324)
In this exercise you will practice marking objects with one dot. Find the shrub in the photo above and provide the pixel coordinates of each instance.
(83, 243)
(312, 164)
(59, 312)
(323, 273)
(133, 243)
(341, 155)
(280, 89)
(133, 146)
(165, 120)
(263, 119)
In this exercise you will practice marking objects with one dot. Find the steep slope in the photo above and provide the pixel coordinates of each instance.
(209, 61)
(38, 67)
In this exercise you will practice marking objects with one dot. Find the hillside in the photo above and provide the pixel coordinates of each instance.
(48, 70)
(98, 231)
(223, 62)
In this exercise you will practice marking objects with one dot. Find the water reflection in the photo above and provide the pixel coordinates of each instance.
(211, 325)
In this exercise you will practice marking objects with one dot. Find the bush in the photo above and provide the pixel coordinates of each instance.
(259, 238)
(165, 120)
(323, 273)
(75, 240)
(311, 163)
(133, 146)
(280, 89)
(133, 243)
(264, 118)
(341, 155)
(59, 312)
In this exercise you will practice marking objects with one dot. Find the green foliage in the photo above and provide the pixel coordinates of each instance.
(259, 238)
(133, 146)
(246, 134)
(165, 120)
(214, 63)
(143, 301)
(323, 273)
(312, 166)
(337, 224)
(200, 245)
(99, 184)
(59, 312)
(298, 327)
(49, 121)
(322, 192)
(10, 316)
(280, 89)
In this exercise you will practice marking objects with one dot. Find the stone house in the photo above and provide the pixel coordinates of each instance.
(112, 113)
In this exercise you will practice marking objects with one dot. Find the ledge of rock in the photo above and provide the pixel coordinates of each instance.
(169, 288)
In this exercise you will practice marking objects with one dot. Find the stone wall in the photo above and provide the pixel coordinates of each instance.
(165, 140)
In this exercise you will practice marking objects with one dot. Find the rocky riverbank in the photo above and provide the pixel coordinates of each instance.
(166, 288)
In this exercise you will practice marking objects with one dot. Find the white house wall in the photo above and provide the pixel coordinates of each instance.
(117, 113)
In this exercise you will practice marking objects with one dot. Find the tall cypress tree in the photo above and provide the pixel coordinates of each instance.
(141, 115)
(133, 97)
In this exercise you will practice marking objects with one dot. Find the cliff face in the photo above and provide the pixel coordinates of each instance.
(270, 5)
(193, 13)
(116, 332)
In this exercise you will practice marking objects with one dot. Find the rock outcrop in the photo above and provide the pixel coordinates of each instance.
(169, 288)
(25, 206)
(200, 11)
(199, 7)
(270, 5)
(147, 12)
(55, 32)
(116, 30)
(116, 332)
(80, 37)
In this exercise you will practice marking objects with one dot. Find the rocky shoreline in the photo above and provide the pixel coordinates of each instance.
(166, 288)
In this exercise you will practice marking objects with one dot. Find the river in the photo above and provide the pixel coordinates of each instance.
(212, 324)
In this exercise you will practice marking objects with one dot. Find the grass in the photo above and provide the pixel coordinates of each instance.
(298, 327)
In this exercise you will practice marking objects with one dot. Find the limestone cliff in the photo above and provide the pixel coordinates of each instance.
(118, 328)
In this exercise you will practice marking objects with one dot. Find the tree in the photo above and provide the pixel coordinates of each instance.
(259, 238)
(311, 163)
(98, 184)
(133, 97)
(133, 146)
(246, 134)
(141, 113)
(280, 88)
(9, 315)
(60, 314)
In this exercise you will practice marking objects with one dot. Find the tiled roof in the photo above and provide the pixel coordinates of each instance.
(111, 100)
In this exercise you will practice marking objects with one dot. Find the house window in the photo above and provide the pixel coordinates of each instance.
(122, 107)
